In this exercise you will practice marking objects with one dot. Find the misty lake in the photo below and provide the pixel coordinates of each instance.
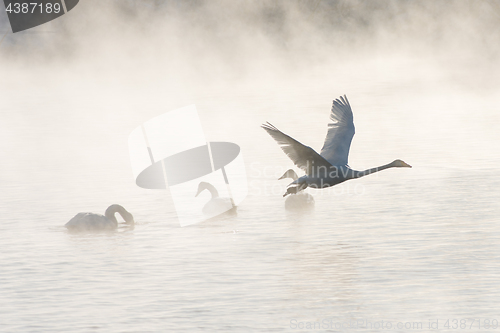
(401, 250)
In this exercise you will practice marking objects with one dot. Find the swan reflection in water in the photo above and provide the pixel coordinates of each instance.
(216, 205)
(300, 201)
(98, 222)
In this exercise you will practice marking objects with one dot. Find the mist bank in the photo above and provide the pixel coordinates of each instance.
(234, 38)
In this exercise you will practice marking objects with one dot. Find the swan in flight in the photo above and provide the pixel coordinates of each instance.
(216, 205)
(299, 201)
(329, 167)
(92, 221)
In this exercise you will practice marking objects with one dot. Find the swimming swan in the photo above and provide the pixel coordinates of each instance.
(299, 201)
(216, 205)
(92, 221)
(330, 167)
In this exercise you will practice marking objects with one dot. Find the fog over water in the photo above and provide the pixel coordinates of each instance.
(402, 245)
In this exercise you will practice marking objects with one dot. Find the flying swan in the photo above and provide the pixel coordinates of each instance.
(330, 167)
(92, 221)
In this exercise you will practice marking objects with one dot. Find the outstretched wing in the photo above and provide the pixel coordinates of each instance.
(304, 157)
(340, 132)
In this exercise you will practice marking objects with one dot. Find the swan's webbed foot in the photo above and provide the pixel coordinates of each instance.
(290, 190)
(295, 189)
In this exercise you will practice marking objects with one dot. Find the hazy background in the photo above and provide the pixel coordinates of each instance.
(422, 77)
(415, 244)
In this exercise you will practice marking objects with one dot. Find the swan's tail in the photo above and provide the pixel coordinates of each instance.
(289, 174)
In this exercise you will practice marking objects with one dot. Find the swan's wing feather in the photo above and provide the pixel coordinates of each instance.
(340, 133)
(303, 156)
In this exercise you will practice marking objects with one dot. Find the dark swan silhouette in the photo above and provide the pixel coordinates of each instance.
(330, 167)
(299, 201)
(92, 221)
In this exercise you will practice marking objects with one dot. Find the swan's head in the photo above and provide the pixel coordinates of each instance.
(129, 218)
(400, 164)
(201, 187)
(110, 213)
(207, 186)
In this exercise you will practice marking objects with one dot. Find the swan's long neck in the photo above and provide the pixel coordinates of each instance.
(213, 190)
(110, 214)
(359, 174)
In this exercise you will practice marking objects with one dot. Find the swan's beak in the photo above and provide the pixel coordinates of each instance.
(282, 177)
(407, 165)
(199, 191)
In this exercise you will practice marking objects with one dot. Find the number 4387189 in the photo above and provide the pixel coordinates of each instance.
(32, 8)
